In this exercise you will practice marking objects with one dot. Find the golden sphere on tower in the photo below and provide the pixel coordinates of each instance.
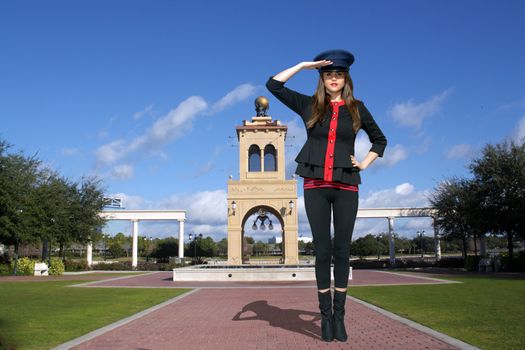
(261, 106)
(262, 102)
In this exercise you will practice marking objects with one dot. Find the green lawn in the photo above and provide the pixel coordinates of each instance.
(486, 312)
(45, 314)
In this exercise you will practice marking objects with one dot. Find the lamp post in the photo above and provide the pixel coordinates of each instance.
(195, 237)
(420, 233)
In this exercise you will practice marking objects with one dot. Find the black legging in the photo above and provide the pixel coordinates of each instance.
(318, 204)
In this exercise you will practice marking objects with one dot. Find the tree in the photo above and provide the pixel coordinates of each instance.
(261, 248)
(115, 249)
(500, 171)
(86, 219)
(123, 241)
(222, 247)
(207, 247)
(56, 198)
(37, 203)
(449, 198)
(18, 176)
(366, 246)
(165, 248)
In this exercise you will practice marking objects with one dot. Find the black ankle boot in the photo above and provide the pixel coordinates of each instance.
(339, 316)
(325, 306)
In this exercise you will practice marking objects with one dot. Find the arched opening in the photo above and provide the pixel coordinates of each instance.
(254, 158)
(270, 158)
(262, 236)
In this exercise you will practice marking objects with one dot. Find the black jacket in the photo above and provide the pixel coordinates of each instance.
(312, 156)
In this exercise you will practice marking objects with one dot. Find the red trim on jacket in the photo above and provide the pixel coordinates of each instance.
(332, 133)
(317, 183)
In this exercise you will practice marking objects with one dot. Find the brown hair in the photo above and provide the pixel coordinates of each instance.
(322, 100)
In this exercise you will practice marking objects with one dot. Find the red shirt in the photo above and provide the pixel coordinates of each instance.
(332, 134)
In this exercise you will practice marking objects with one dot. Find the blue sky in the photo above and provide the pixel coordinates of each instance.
(146, 95)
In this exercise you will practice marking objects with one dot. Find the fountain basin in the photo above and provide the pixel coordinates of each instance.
(247, 273)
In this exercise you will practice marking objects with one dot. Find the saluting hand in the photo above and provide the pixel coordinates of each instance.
(316, 64)
(290, 72)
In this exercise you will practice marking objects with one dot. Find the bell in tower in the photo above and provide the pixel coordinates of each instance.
(262, 188)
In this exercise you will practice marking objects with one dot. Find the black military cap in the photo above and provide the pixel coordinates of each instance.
(342, 60)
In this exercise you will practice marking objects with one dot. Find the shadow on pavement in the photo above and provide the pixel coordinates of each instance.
(288, 319)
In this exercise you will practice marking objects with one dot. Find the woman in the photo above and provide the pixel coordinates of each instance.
(332, 117)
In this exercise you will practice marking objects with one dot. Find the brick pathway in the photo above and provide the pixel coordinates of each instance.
(257, 319)
(258, 316)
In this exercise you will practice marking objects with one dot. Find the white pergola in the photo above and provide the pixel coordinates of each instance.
(391, 213)
(180, 215)
(142, 215)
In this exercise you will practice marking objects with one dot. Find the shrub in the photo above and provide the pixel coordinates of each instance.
(57, 267)
(368, 264)
(5, 270)
(518, 262)
(116, 266)
(451, 262)
(472, 262)
(76, 265)
(142, 266)
(24, 267)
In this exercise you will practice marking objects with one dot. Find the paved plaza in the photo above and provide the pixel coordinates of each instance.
(258, 315)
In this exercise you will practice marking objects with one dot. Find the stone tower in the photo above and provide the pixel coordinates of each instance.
(262, 187)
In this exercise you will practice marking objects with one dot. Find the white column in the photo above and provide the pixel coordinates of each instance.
(89, 254)
(135, 246)
(437, 245)
(262, 160)
(181, 238)
(391, 246)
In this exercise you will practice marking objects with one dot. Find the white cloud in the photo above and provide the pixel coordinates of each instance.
(111, 152)
(148, 110)
(413, 114)
(404, 189)
(68, 152)
(239, 94)
(176, 123)
(518, 134)
(203, 208)
(168, 128)
(402, 195)
(122, 172)
(459, 151)
(392, 156)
